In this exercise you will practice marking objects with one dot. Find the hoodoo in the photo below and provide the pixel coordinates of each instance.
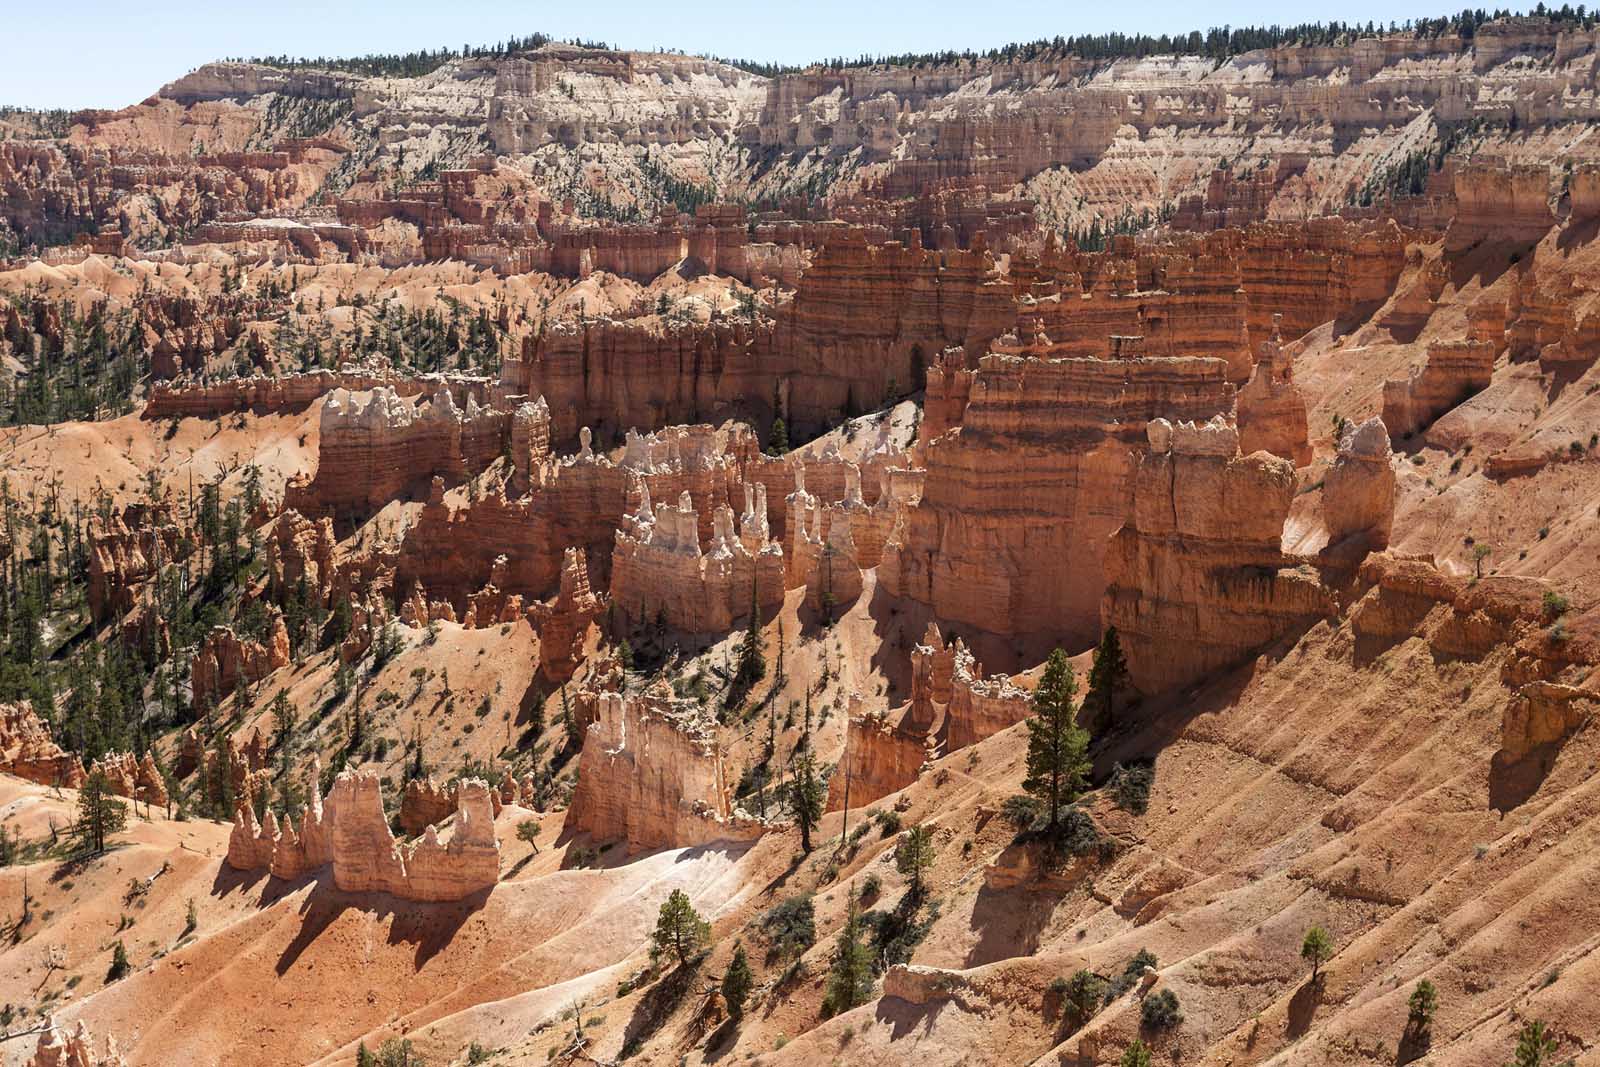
(1083, 552)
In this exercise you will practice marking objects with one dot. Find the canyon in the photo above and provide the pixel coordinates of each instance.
(462, 504)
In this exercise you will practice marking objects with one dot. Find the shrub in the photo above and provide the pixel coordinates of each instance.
(1160, 1009)
(1021, 811)
(790, 926)
(1555, 605)
(1081, 996)
(1137, 1055)
(1130, 786)
(897, 933)
(1074, 834)
(888, 823)
(1130, 974)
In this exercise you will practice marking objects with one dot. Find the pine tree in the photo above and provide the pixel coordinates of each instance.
(736, 982)
(778, 674)
(1535, 1046)
(913, 856)
(1423, 1003)
(252, 488)
(850, 975)
(679, 928)
(120, 966)
(99, 813)
(752, 663)
(1137, 1055)
(805, 796)
(1316, 948)
(569, 723)
(1108, 673)
(1058, 766)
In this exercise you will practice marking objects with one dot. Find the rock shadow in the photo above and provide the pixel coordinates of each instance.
(1578, 232)
(228, 880)
(903, 1016)
(1414, 1044)
(430, 927)
(1302, 1006)
(1513, 781)
(1009, 922)
(659, 1002)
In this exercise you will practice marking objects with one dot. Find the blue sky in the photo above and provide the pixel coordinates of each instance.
(110, 53)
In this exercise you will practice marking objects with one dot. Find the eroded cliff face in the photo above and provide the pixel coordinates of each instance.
(1011, 532)
(378, 447)
(350, 833)
(562, 623)
(1454, 371)
(28, 751)
(1196, 578)
(225, 660)
(952, 705)
(651, 773)
(59, 1047)
(1271, 409)
(125, 552)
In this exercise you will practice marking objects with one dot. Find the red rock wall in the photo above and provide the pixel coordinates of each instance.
(1018, 503)
(1196, 578)
(651, 773)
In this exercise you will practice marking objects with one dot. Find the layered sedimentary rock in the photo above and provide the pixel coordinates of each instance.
(127, 776)
(562, 623)
(1316, 271)
(530, 437)
(351, 834)
(1544, 713)
(652, 774)
(866, 320)
(124, 552)
(1179, 299)
(224, 660)
(1271, 410)
(1454, 371)
(425, 802)
(381, 447)
(1358, 490)
(1501, 204)
(825, 559)
(575, 501)
(1197, 579)
(952, 706)
(883, 753)
(658, 570)
(273, 394)
(1018, 503)
(27, 750)
(299, 553)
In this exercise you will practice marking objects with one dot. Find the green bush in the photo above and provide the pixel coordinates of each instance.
(1130, 786)
(1130, 974)
(790, 926)
(1160, 1009)
(1021, 811)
